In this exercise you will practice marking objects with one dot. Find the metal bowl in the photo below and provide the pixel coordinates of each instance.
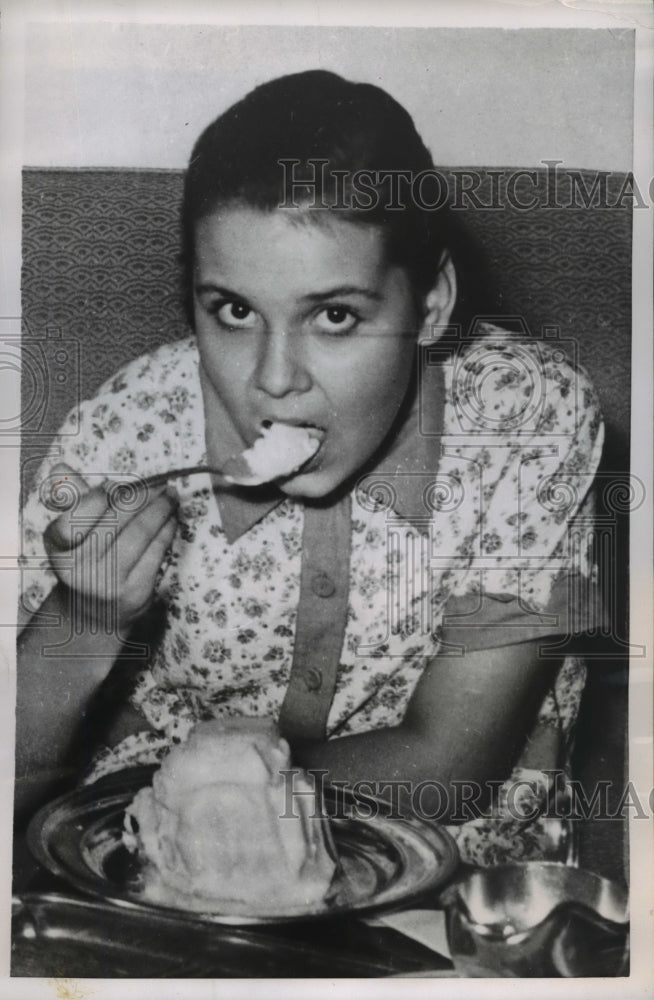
(537, 919)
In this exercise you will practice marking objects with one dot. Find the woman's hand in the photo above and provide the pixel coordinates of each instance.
(107, 548)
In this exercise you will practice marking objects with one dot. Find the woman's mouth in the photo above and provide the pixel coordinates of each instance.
(314, 430)
(281, 450)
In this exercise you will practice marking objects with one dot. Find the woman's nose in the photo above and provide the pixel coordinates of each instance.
(281, 368)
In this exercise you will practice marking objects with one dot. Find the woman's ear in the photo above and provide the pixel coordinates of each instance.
(439, 301)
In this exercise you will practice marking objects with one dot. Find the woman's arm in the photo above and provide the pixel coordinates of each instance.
(107, 563)
(53, 692)
(467, 721)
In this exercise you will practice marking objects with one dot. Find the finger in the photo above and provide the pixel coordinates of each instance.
(130, 499)
(141, 529)
(62, 488)
(70, 529)
(104, 510)
(65, 491)
(101, 563)
(114, 544)
(141, 581)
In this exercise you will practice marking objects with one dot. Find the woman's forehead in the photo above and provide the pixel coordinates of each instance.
(238, 237)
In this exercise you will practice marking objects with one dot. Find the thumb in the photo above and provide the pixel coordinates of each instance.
(62, 488)
(63, 491)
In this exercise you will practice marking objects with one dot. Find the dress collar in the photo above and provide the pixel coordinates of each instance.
(411, 454)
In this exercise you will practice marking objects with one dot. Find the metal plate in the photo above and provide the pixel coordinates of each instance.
(383, 862)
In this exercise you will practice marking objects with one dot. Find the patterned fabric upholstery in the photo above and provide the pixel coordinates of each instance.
(101, 284)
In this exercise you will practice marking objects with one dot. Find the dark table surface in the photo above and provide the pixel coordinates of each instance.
(57, 931)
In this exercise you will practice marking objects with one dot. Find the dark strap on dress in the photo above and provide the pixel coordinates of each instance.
(321, 620)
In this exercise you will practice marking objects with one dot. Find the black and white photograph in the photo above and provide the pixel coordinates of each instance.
(331, 431)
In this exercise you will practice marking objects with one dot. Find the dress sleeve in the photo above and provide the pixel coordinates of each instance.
(148, 418)
(37, 578)
(531, 571)
(92, 442)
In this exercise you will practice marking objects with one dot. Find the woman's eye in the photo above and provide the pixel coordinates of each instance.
(235, 315)
(336, 320)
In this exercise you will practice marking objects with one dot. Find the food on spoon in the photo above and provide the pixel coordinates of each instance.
(219, 827)
(280, 450)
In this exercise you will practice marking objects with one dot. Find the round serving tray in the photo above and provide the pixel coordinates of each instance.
(384, 862)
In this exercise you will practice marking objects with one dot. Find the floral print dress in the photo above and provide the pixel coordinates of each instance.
(488, 561)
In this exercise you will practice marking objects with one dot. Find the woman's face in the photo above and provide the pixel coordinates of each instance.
(304, 324)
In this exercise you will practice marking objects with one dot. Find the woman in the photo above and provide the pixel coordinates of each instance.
(388, 601)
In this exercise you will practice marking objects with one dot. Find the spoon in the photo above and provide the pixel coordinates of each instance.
(279, 451)
(230, 475)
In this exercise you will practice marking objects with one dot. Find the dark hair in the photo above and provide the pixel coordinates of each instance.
(245, 156)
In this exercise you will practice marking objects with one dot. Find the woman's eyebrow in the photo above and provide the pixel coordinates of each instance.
(210, 287)
(342, 290)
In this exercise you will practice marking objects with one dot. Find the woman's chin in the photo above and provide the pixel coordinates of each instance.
(312, 485)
